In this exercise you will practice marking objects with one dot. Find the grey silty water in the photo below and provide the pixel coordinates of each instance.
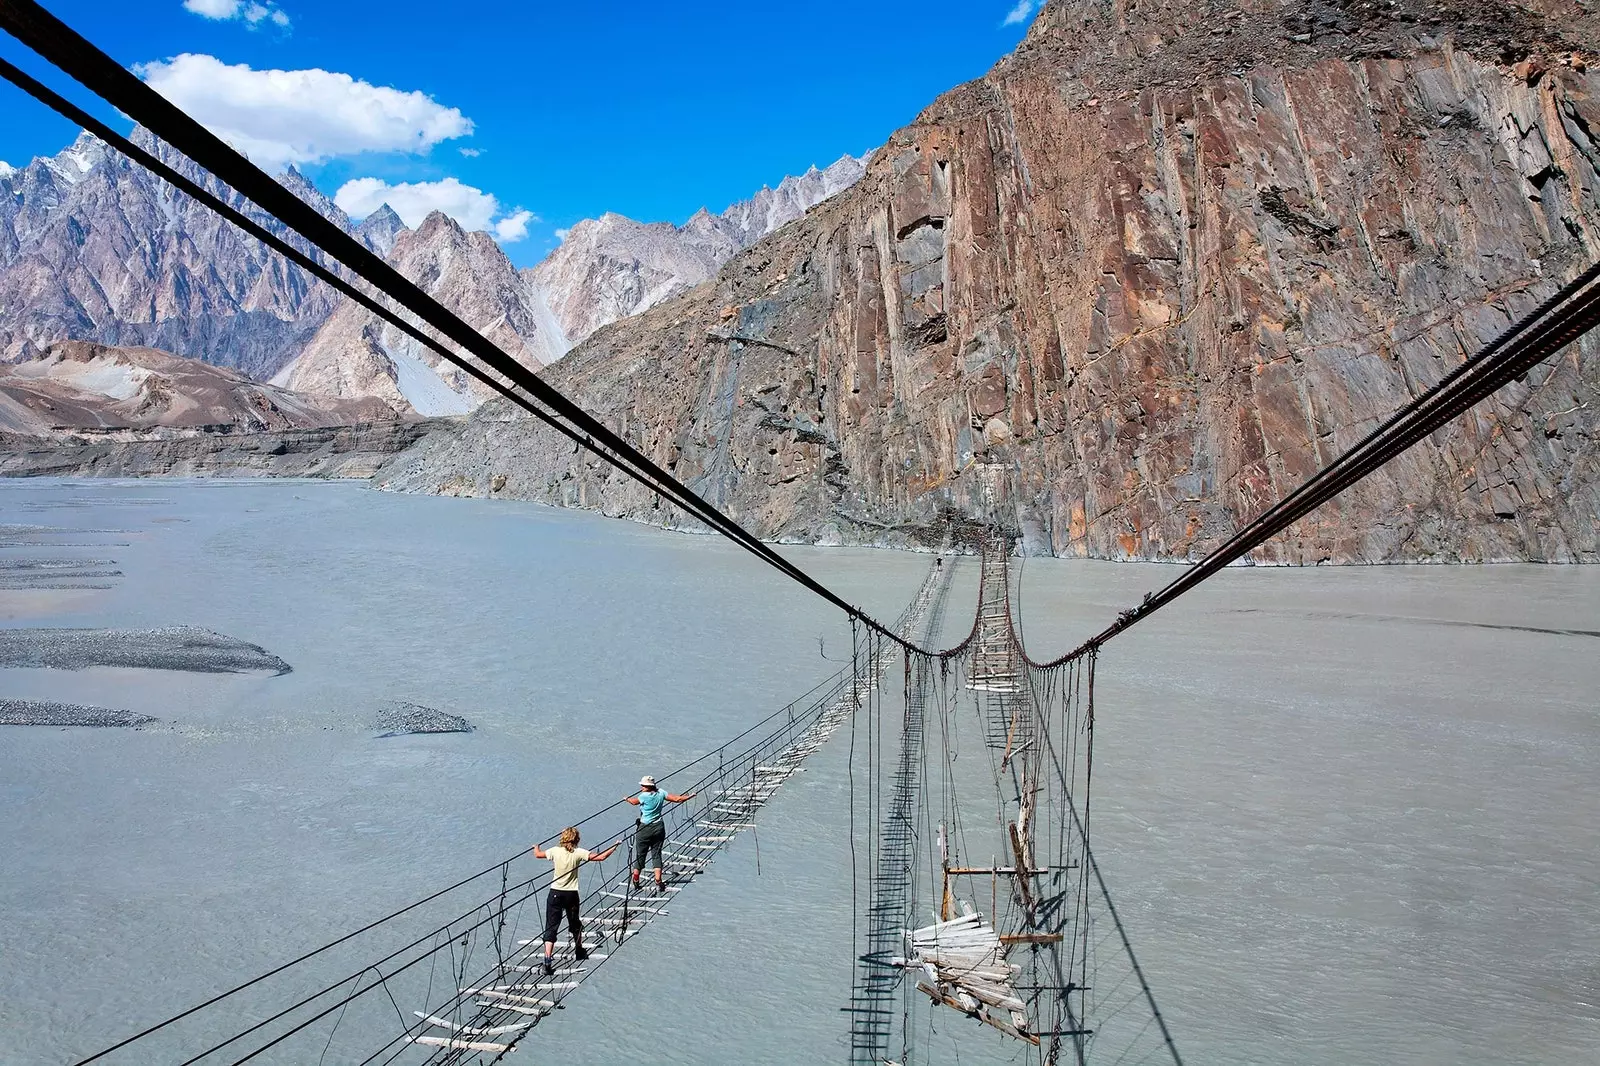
(1344, 820)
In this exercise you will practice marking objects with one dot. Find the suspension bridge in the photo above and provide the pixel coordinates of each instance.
(983, 896)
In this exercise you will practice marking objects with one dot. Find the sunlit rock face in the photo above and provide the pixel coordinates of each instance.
(355, 354)
(1133, 286)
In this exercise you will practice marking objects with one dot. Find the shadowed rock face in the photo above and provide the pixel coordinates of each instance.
(188, 648)
(1137, 283)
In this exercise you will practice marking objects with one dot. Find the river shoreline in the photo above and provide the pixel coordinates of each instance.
(362, 453)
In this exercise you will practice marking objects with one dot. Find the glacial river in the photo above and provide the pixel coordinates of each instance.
(1349, 815)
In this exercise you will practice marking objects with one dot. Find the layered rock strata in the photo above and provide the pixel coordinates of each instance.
(1132, 287)
(354, 451)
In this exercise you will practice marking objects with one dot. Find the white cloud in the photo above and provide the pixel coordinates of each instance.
(415, 201)
(213, 9)
(561, 234)
(1019, 13)
(252, 13)
(277, 117)
(470, 153)
(514, 227)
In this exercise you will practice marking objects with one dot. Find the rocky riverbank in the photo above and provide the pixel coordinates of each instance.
(184, 648)
(354, 451)
(51, 713)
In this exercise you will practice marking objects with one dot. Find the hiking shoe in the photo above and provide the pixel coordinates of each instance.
(661, 889)
(547, 968)
(579, 954)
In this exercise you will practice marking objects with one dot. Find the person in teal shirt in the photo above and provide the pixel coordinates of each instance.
(652, 804)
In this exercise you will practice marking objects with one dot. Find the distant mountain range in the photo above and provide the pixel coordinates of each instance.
(612, 267)
(94, 248)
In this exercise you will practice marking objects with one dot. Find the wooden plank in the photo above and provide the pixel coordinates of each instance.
(514, 1027)
(494, 1004)
(991, 994)
(982, 1016)
(953, 923)
(496, 993)
(459, 1045)
(515, 991)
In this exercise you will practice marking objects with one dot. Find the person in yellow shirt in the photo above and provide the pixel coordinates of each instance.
(566, 856)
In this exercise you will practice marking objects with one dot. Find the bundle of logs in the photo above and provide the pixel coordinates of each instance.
(962, 964)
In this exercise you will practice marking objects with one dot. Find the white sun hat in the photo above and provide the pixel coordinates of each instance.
(647, 781)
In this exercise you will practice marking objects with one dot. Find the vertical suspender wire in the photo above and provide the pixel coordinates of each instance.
(850, 775)
(1127, 946)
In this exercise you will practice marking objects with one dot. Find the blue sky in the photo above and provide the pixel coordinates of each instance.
(522, 118)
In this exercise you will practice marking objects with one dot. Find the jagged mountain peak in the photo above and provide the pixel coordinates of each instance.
(6, 169)
(385, 216)
(74, 162)
(355, 354)
(439, 226)
(381, 229)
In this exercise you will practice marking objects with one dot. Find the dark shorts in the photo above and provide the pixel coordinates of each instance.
(561, 903)
(649, 840)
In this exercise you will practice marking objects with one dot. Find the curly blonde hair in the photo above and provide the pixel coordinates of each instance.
(569, 837)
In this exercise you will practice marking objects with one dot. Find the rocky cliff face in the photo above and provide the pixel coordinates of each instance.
(92, 247)
(79, 386)
(612, 267)
(355, 354)
(1132, 287)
